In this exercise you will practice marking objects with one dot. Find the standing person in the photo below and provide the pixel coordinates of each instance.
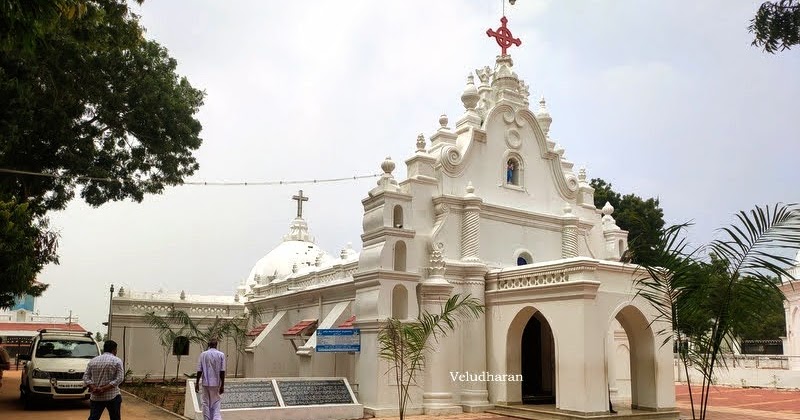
(103, 376)
(211, 372)
(5, 361)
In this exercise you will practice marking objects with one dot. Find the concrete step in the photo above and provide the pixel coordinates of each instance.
(550, 413)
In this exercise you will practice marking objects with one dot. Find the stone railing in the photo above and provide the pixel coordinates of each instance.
(193, 310)
(754, 361)
(312, 279)
(541, 274)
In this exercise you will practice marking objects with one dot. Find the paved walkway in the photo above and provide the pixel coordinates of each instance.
(725, 404)
(11, 408)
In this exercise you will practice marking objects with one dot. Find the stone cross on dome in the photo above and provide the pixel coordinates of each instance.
(299, 198)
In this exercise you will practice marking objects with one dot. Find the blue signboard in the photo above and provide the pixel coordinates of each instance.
(339, 339)
(23, 302)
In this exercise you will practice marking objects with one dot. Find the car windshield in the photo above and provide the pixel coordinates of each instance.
(66, 348)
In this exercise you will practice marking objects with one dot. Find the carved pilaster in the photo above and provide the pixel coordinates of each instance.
(470, 226)
(569, 234)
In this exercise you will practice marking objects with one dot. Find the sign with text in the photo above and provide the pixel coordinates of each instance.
(314, 392)
(339, 339)
(249, 394)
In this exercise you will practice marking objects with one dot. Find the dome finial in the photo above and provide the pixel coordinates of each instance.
(388, 166)
(443, 121)
(608, 209)
(543, 116)
(470, 96)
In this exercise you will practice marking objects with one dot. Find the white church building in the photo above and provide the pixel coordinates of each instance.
(790, 289)
(491, 208)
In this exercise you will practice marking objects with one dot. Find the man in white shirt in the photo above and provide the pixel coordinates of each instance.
(211, 372)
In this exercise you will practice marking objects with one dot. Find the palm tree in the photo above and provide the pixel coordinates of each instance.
(405, 344)
(171, 327)
(707, 299)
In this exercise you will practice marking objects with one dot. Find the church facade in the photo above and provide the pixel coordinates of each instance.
(490, 207)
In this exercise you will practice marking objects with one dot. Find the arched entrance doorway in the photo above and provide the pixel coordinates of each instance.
(634, 362)
(537, 362)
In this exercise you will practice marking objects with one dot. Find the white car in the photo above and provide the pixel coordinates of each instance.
(55, 365)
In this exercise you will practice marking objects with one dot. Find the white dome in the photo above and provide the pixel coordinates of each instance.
(297, 253)
(279, 263)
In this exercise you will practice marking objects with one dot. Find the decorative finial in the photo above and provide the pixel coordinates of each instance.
(183, 295)
(387, 166)
(503, 36)
(443, 122)
(470, 96)
(567, 209)
(421, 142)
(318, 260)
(524, 89)
(470, 189)
(608, 209)
(543, 116)
(236, 298)
(294, 268)
(582, 175)
(121, 292)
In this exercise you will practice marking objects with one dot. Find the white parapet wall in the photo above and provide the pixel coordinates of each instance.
(752, 371)
(271, 403)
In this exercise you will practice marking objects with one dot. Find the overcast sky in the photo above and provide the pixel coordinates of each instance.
(663, 99)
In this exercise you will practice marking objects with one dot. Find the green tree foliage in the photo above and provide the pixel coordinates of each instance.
(24, 23)
(776, 25)
(86, 98)
(643, 219)
(405, 344)
(766, 323)
(98, 337)
(707, 300)
(26, 245)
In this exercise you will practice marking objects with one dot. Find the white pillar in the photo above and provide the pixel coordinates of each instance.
(474, 395)
(437, 397)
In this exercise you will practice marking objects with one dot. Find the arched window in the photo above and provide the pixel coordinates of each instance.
(180, 346)
(400, 256)
(397, 217)
(513, 170)
(399, 302)
(524, 258)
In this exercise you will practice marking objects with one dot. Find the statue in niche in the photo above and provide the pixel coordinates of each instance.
(510, 168)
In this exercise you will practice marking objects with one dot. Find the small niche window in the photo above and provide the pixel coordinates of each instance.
(180, 346)
(513, 170)
(400, 256)
(399, 302)
(397, 217)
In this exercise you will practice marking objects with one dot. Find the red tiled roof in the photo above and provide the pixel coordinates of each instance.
(35, 326)
(348, 323)
(301, 328)
(256, 330)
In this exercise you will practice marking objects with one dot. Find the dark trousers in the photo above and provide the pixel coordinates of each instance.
(96, 408)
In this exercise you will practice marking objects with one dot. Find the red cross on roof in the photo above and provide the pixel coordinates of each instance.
(503, 36)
